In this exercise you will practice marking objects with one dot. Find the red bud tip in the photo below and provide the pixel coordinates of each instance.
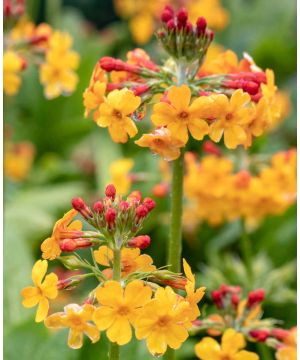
(141, 242)
(255, 297)
(216, 296)
(260, 334)
(37, 39)
(171, 25)
(98, 207)
(167, 14)
(149, 203)
(280, 334)
(110, 217)
(110, 191)
(226, 289)
(235, 299)
(124, 206)
(160, 190)
(135, 197)
(189, 28)
(78, 204)
(141, 212)
(242, 179)
(179, 283)
(62, 284)
(210, 148)
(70, 245)
(182, 16)
(201, 25)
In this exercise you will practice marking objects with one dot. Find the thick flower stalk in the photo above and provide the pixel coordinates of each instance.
(130, 289)
(46, 48)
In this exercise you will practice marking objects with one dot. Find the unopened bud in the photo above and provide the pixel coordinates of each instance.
(70, 245)
(167, 14)
(260, 335)
(255, 297)
(182, 17)
(99, 207)
(141, 212)
(79, 205)
(110, 191)
(171, 25)
(201, 25)
(110, 217)
(135, 197)
(235, 299)
(210, 148)
(124, 206)
(141, 242)
(216, 296)
(71, 262)
(160, 190)
(149, 203)
(279, 334)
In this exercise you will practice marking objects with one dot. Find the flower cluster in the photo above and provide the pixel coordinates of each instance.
(216, 192)
(224, 98)
(239, 318)
(143, 15)
(131, 293)
(50, 50)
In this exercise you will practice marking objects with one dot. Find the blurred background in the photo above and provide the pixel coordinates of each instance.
(61, 155)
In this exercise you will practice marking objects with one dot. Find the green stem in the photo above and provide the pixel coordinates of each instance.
(175, 235)
(264, 352)
(114, 349)
(247, 254)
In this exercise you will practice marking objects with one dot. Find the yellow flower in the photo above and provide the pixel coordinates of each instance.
(119, 308)
(57, 73)
(230, 349)
(269, 89)
(50, 247)
(217, 17)
(288, 351)
(161, 142)
(77, 318)
(113, 113)
(192, 296)
(119, 172)
(24, 29)
(41, 291)
(131, 260)
(93, 96)
(179, 116)
(12, 66)
(162, 322)
(231, 117)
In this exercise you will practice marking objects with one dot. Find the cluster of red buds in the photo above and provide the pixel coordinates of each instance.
(226, 296)
(181, 38)
(13, 8)
(117, 219)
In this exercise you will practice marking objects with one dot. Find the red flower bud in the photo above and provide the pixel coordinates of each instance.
(255, 297)
(167, 14)
(217, 298)
(260, 334)
(140, 89)
(110, 191)
(110, 217)
(149, 203)
(160, 190)
(243, 179)
(210, 148)
(182, 17)
(141, 242)
(201, 25)
(70, 245)
(179, 283)
(37, 39)
(189, 28)
(135, 197)
(98, 207)
(141, 212)
(124, 206)
(235, 299)
(171, 25)
(79, 205)
(280, 334)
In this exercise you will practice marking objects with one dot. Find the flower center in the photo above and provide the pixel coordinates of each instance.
(163, 321)
(123, 310)
(226, 357)
(183, 115)
(229, 116)
(158, 142)
(117, 114)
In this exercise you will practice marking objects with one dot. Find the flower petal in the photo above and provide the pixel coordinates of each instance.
(110, 294)
(75, 339)
(42, 310)
(31, 296)
(208, 349)
(120, 331)
(180, 97)
(39, 271)
(232, 341)
(103, 317)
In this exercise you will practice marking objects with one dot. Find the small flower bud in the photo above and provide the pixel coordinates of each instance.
(135, 197)
(141, 242)
(279, 334)
(201, 25)
(242, 179)
(71, 262)
(171, 25)
(182, 17)
(260, 335)
(179, 283)
(255, 297)
(124, 206)
(167, 14)
(149, 203)
(70, 245)
(216, 296)
(160, 190)
(79, 205)
(99, 207)
(141, 212)
(189, 28)
(110, 217)
(210, 148)
(235, 299)
(110, 191)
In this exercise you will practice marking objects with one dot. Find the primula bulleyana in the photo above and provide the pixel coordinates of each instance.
(41, 291)
(162, 322)
(288, 349)
(180, 117)
(230, 348)
(161, 142)
(119, 172)
(12, 66)
(114, 114)
(50, 247)
(78, 319)
(119, 308)
(131, 260)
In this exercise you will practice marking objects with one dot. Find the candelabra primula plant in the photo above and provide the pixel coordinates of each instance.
(50, 50)
(240, 320)
(131, 293)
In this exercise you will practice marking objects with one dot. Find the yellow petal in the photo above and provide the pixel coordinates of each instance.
(92, 332)
(216, 131)
(104, 256)
(208, 349)
(247, 355)
(39, 271)
(163, 114)
(75, 339)
(120, 331)
(176, 335)
(75, 225)
(179, 131)
(55, 321)
(130, 127)
(198, 128)
(48, 287)
(110, 294)
(180, 97)
(136, 294)
(31, 296)
(234, 136)
(103, 317)
(232, 341)
(42, 310)
(156, 343)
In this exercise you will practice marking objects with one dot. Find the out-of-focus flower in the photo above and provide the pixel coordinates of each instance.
(13, 64)
(120, 308)
(119, 172)
(230, 348)
(18, 159)
(57, 73)
(288, 349)
(41, 291)
(78, 319)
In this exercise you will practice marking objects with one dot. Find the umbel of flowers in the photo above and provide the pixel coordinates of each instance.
(50, 50)
(240, 320)
(131, 295)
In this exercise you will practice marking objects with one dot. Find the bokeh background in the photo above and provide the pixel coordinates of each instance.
(72, 158)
